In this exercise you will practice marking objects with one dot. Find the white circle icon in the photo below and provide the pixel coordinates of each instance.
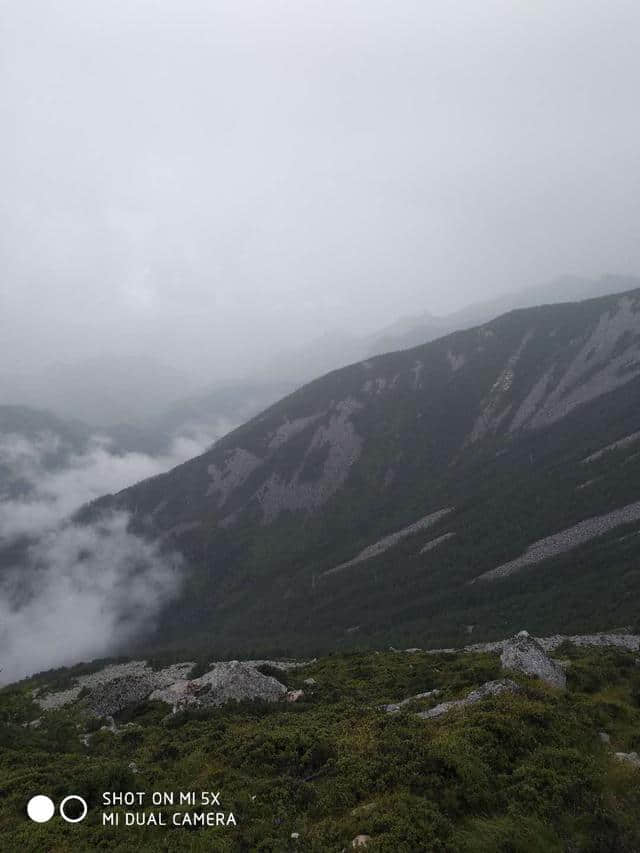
(40, 808)
(69, 799)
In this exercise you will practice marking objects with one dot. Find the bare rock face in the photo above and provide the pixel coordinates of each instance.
(525, 654)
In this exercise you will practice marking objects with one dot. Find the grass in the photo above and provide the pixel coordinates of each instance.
(524, 772)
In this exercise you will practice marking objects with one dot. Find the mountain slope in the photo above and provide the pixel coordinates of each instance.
(493, 424)
(220, 408)
(415, 330)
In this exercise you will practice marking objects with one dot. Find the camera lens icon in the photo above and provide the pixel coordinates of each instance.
(73, 808)
(73, 798)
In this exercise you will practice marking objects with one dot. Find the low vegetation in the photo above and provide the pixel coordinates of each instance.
(532, 771)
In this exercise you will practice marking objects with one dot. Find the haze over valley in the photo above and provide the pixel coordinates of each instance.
(310, 316)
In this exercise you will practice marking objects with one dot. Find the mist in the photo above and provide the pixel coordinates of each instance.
(85, 592)
(203, 186)
(77, 592)
(206, 204)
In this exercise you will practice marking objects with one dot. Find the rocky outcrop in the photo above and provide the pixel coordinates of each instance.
(526, 655)
(341, 445)
(115, 686)
(394, 707)
(628, 758)
(491, 688)
(620, 640)
(493, 409)
(120, 693)
(608, 358)
(119, 686)
(226, 682)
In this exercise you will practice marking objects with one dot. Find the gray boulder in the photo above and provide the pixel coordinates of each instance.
(235, 680)
(524, 654)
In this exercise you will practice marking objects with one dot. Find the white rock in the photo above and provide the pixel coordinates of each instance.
(524, 654)
(396, 706)
(629, 758)
(490, 688)
(227, 681)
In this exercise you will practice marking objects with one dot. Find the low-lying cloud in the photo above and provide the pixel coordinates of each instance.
(52, 492)
(76, 592)
(86, 592)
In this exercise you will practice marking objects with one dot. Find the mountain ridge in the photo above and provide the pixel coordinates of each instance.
(492, 422)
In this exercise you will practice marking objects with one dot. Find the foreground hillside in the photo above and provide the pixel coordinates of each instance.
(465, 487)
(532, 768)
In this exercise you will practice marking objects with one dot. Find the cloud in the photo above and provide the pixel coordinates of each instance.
(78, 591)
(85, 592)
(213, 182)
(54, 493)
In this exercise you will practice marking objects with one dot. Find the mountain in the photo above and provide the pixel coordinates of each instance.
(300, 364)
(151, 402)
(479, 482)
(100, 390)
(225, 405)
(30, 423)
(69, 436)
(220, 408)
(411, 331)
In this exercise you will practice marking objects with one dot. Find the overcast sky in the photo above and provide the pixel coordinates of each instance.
(204, 181)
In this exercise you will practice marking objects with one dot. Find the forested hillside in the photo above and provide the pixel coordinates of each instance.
(464, 487)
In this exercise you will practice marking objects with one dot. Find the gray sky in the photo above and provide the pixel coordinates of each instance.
(206, 182)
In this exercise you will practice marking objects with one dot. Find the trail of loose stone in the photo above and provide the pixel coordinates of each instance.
(566, 540)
